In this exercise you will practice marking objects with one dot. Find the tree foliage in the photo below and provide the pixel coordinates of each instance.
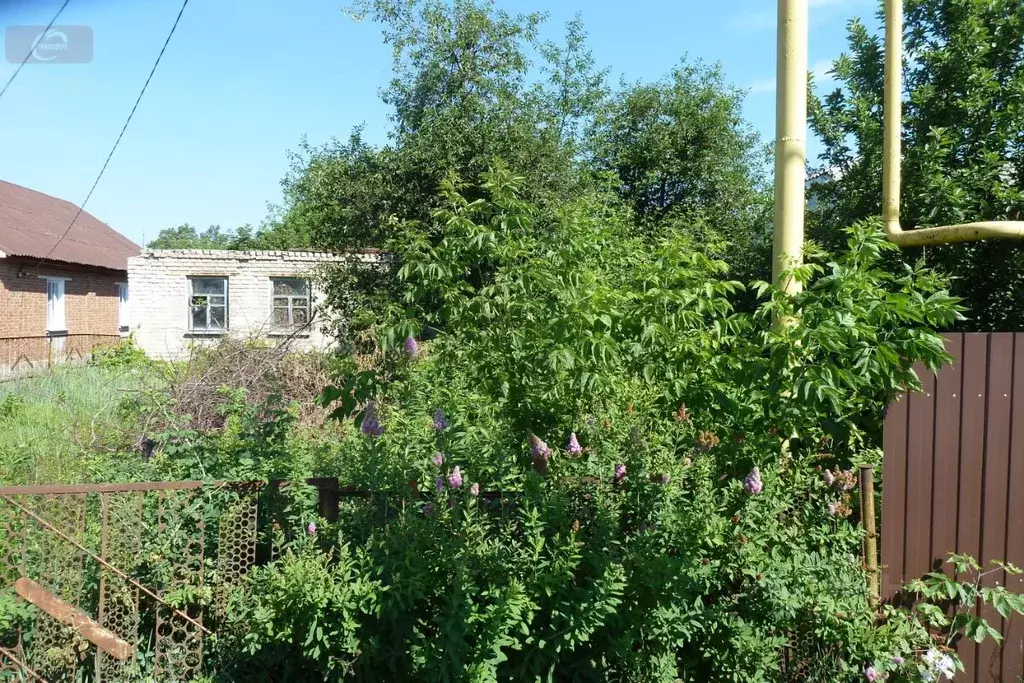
(687, 160)
(963, 145)
(186, 236)
(271, 235)
(671, 537)
(474, 85)
(463, 94)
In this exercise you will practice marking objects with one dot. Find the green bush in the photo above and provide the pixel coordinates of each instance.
(125, 353)
(673, 529)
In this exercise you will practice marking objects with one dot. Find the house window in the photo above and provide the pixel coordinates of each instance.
(55, 320)
(208, 304)
(122, 306)
(291, 302)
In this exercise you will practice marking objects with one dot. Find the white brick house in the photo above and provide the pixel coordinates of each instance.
(182, 297)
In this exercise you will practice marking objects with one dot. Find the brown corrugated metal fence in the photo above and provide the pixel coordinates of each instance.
(952, 479)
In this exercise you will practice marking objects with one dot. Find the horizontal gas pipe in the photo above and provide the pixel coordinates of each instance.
(893, 120)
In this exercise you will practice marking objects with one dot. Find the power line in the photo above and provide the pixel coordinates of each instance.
(121, 134)
(33, 48)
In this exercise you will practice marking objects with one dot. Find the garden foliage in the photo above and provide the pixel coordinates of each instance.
(648, 518)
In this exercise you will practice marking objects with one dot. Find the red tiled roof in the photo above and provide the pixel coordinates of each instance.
(31, 224)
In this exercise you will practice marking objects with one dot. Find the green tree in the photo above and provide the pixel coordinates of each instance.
(963, 144)
(186, 236)
(272, 234)
(463, 94)
(683, 152)
(473, 84)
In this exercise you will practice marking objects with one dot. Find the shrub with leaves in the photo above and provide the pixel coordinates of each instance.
(588, 475)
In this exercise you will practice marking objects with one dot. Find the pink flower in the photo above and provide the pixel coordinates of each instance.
(574, 447)
(455, 478)
(620, 472)
(538, 448)
(311, 529)
(897, 660)
(439, 458)
(752, 483)
(540, 452)
(871, 674)
(474, 489)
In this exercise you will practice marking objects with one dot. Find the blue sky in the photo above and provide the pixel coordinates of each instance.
(244, 80)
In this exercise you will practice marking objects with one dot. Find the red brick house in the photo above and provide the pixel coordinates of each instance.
(62, 292)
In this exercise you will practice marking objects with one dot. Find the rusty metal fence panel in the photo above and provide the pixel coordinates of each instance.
(150, 564)
(27, 355)
(952, 481)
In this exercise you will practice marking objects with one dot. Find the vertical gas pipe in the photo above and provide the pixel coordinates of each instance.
(790, 143)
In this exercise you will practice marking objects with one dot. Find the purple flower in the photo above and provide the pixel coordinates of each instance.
(620, 472)
(538, 448)
(574, 447)
(371, 424)
(455, 478)
(439, 484)
(440, 421)
(439, 458)
(411, 347)
(474, 489)
(428, 508)
(540, 452)
(311, 529)
(663, 479)
(897, 660)
(828, 477)
(753, 481)
(871, 674)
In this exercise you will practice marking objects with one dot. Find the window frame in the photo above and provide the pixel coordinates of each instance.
(56, 309)
(123, 310)
(290, 306)
(207, 329)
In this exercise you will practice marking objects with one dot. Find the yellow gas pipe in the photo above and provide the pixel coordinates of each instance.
(790, 143)
(966, 232)
(790, 154)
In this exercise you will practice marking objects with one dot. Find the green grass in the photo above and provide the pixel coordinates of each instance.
(62, 426)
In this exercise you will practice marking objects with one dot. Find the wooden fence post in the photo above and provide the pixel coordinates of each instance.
(328, 497)
(867, 518)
